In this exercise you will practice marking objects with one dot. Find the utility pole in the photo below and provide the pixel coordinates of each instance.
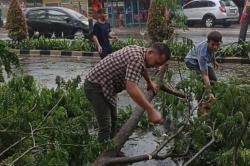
(244, 22)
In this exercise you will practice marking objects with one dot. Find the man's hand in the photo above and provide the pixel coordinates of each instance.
(137, 95)
(216, 65)
(211, 97)
(154, 116)
(99, 49)
(115, 37)
(153, 86)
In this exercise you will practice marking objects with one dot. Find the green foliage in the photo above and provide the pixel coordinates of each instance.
(55, 123)
(230, 114)
(7, 59)
(180, 49)
(235, 50)
(16, 23)
(69, 45)
(53, 44)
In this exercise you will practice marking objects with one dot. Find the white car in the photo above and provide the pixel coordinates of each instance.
(211, 12)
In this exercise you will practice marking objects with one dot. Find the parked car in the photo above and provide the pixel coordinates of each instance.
(57, 22)
(211, 12)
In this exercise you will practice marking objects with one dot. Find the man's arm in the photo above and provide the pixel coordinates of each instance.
(146, 76)
(136, 94)
(151, 85)
(97, 44)
(134, 71)
(204, 74)
(95, 39)
(112, 36)
(206, 79)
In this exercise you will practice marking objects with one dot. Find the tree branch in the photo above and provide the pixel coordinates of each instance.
(172, 92)
(11, 146)
(153, 155)
(162, 157)
(50, 111)
(163, 144)
(36, 129)
(236, 147)
(32, 134)
(27, 151)
(204, 147)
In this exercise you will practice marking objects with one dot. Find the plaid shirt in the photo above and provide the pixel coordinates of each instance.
(113, 71)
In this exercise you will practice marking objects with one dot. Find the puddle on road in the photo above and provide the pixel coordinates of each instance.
(45, 70)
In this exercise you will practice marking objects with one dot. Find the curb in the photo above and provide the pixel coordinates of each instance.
(235, 60)
(54, 53)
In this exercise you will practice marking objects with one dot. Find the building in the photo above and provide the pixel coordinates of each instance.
(127, 12)
(121, 12)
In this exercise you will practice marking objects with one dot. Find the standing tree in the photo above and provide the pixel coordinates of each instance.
(163, 18)
(16, 23)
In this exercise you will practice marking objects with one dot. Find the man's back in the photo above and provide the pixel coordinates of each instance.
(200, 53)
(113, 71)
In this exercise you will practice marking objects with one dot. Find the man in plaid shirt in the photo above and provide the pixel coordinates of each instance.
(122, 70)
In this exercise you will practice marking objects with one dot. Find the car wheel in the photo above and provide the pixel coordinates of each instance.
(79, 34)
(227, 24)
(209, 22)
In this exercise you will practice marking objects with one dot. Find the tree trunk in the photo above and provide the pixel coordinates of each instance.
(244, 22)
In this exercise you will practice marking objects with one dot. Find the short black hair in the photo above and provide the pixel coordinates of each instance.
(101, 11)
(162, 48)
(214, 36)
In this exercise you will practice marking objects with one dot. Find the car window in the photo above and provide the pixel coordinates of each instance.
(211, 4)
(195, 4)
(57, 15)
(227, 3)
(36, 14)
(203, 3)
(76, 14)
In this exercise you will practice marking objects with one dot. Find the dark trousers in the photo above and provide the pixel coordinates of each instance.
(103, 55)
(211, 73)
(106, 113)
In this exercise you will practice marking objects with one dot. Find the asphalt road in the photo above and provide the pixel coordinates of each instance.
(197, 34)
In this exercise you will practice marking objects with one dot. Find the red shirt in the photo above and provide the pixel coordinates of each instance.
(96, 6)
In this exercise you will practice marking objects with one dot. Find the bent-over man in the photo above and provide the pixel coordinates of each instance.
(202, 59)
(119, 71)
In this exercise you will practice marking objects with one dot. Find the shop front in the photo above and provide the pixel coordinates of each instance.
(127, 12)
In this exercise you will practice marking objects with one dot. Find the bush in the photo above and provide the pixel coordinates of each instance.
(7, 59)
(53, 44)
(235, 50)
(54, 124)
(16, 23)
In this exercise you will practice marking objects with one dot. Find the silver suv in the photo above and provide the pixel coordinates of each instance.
(211, 12)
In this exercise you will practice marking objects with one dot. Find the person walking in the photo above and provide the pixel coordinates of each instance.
(102, 34)
(122, 70)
